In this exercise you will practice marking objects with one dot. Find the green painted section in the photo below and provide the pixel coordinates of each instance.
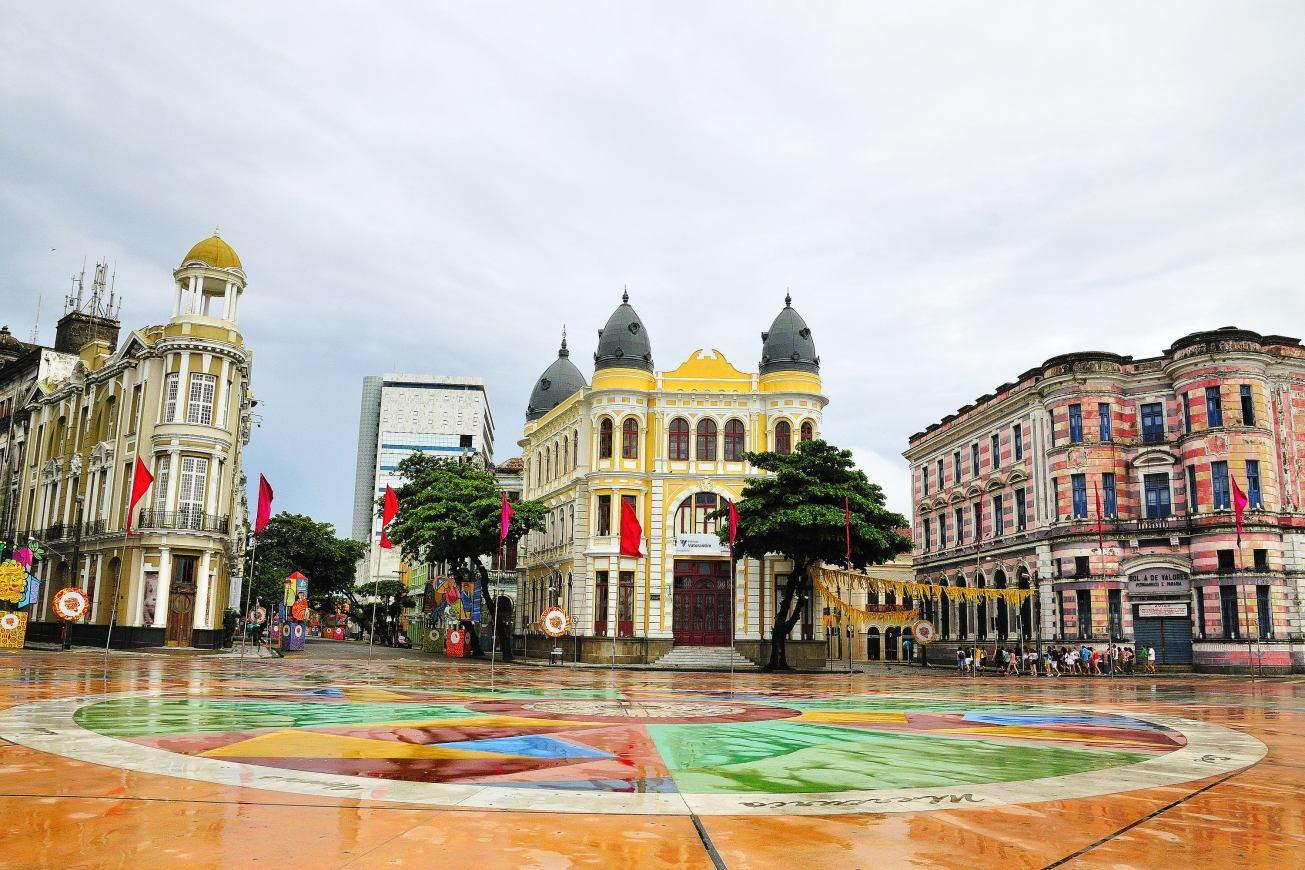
(141, 717)
(781, 756)
(912, 705)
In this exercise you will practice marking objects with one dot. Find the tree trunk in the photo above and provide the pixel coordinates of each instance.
(786, 616)
(502, 635)
(472, 629)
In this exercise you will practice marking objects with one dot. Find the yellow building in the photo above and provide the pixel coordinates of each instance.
(671, 442)
(177, 394)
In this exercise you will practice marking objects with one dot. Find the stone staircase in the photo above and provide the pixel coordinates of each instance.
(704, 658)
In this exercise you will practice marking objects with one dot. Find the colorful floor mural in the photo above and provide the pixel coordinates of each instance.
(648, 752)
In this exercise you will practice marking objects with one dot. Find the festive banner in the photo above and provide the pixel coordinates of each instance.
(907, 589)
(844, 612)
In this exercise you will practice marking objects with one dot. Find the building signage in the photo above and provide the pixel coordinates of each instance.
(1178, 608)
(700, 545)
(1162, 581)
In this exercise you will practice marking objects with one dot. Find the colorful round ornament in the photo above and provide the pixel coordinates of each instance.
(71, 603)
(555, 622)
(923, 631)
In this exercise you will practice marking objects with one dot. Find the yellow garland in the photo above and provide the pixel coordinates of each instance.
(845, 612)
(905, 589)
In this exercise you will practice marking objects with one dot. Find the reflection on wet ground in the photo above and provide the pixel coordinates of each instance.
(157, 760)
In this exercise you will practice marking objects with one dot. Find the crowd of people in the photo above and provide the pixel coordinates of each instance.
(1084, 661)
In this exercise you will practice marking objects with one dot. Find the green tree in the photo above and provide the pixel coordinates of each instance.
(797, 510)
(449, 512)
(293, 542)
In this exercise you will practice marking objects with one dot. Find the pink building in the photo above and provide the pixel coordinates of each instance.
(1024, 486)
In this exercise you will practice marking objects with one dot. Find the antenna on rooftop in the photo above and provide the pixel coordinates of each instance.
(36, 327)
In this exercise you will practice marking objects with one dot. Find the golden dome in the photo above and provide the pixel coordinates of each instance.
(214, 252)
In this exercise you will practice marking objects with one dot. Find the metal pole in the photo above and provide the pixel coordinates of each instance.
(493, 643)
(733, 605)
(76, 570)
(248, 602)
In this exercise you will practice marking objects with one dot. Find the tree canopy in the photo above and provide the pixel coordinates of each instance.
(797, 510)
(293, 542)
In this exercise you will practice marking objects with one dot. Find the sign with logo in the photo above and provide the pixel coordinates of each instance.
(700, 545)
(1178, 608)
(1159, 581)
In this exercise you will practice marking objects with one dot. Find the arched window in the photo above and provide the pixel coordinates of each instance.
(783, 437)
(566, 451)
(575, 448)
(706, 440)
(691, 516)
(630, 438)
(678, 433)
(605, 438)
(734, 441)
(548, 464)
(808, 430)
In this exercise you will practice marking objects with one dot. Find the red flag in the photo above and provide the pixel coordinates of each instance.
(847, 529)
(734, 524)
(505, 515)
(264, 504)
(389, 511)
(631, 531)
(1240, 501)
(140, 484)
(1101, 541)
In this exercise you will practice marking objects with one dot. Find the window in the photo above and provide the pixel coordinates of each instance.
(1082, 566)
(1103, 417)
(1264, 610)
(927, 529)
(1075, 423)
(604, 524)
(170, 387)
(734, 441)
(924, 478)
(1051, 427)
(1084, 602)
(1248, 406)
(784, 439)
(1187, 414)
(190, 491)
(706, 446)
(978, 521)
(1213, 408)
(691, 517)
(1253, 495)
(575, 447)
(1219, 484)
(998, 516)
(548, 464)
(630, 438)
(1021, 511)
(1155, 488)
(199, 405)
(1153, 423)
(942, 530)
(1115, 609)
(996, 452)
(956, 466)
(941, 482)
(974, 459)
(135, 408)
(162, 471)
(111, 418)
(1200, 613)
(566, 453)
(1227, 560)
(605, 438)
(678, 434)
(1017, 441)
(1228, 612)
(1193, 503)
(1261, 559)
(1078, 486)
(1110, 502)
(600, 603)
(808, 433)
(959, 518)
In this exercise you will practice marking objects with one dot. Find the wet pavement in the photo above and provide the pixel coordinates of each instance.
(329, 760)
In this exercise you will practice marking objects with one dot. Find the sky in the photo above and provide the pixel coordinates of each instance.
(952, 192)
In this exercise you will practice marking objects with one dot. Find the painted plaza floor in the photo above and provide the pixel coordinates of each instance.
(327, 761)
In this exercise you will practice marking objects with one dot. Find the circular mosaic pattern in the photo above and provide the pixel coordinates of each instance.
(601, 751)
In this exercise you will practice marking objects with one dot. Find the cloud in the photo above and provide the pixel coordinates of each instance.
(953, 194)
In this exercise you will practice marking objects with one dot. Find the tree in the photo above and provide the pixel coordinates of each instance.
(797, 510)
(293, 542)
(449, 512)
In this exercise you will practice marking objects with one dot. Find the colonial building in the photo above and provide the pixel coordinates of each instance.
(1107, 482)
(177, 394)
(671, 443)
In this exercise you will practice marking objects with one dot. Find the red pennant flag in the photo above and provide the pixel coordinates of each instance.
(264, 505)
(847, 530)
(388, 512)
(1240, 501)
(631, 531)
(140, 484)
(734, 524)
(505, 515)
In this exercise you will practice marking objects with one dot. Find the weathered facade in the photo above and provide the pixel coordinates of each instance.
(177, 395)
(1107, 482)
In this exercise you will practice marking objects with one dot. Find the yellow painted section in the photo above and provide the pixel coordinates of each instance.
(215, 252)
(707, 371)
(312, 744)
(853, 716)
(789, 382)
(623, 379)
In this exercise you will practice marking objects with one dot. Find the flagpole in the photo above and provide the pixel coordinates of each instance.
(493, 643)
(248, 602)
(733, 605)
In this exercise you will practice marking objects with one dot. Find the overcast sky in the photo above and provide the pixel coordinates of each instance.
(953, 192)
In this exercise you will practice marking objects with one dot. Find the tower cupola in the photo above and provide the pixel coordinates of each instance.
(787, 345)
(559, 382)
(210, 282)
(623, 342)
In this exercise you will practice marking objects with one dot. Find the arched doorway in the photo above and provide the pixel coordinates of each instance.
(1026, 607)
(1003, 611)
(112, 592)
(872, 644)
(962, 613)
(981, 617)
(891, 638)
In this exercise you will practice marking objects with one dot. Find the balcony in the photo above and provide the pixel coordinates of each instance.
(188, 521)
(68, 531)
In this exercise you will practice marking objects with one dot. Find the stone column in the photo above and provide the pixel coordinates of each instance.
(202, 592)
(165, 586)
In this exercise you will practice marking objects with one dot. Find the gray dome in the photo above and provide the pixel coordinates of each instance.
(559, 382)
(623, 342)
(788, 345)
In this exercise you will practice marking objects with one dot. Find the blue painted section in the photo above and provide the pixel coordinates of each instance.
(1061, 719)
(330, 693)
(656, 785)
(530, 745)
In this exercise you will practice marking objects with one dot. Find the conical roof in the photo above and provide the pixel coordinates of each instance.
(788, 346)
(623, 342)
(559, 382)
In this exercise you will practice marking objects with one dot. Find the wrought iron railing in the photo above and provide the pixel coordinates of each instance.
(194, 521)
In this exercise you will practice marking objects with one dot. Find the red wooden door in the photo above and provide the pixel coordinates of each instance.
(625, 605)
(701, 611)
